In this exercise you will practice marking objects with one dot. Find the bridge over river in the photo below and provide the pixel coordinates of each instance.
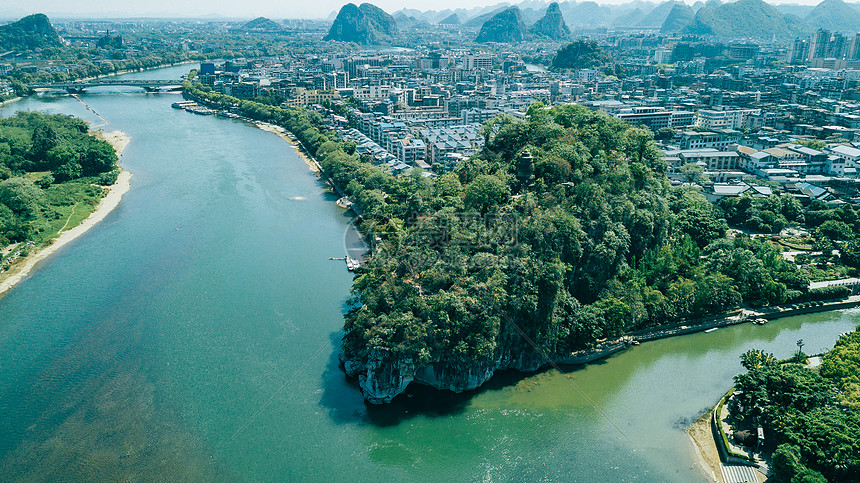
(78, 87)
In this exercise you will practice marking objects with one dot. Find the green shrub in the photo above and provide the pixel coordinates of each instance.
(108, 178)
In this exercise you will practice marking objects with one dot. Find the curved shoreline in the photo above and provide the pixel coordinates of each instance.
(119, 141)
(282, 133)
(707, 455)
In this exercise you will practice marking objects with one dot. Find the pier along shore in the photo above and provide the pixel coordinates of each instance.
(119, 140)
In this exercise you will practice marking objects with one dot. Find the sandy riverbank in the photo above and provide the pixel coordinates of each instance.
(19, 271)
(281, 132)
(707, 454)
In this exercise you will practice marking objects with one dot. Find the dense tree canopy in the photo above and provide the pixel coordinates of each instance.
(580, 54)
(601, 244)
(47, 161)
(811, 417)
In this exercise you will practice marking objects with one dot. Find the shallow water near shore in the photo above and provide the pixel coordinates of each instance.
(193, 334)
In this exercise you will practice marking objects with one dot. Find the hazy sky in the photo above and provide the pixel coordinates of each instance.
(233, 8)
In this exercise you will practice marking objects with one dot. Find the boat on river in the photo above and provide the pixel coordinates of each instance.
(183, 104)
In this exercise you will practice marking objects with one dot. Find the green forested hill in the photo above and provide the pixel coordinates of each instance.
(746, 18)
(29, 33)
(552, 24)
(263, 23)
(505, 26)
(563, 231)
(834, 15)
(580, 54)
(585, 241)
(364, 24)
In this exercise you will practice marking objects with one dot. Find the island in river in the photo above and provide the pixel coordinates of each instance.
(58, 180)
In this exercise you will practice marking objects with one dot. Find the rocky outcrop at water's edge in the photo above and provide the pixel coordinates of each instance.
(384, 375)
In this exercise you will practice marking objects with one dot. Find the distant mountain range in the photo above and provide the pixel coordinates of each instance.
(679, 17)
(508, 26)
(29, 33)
(834, 15)
(368, 24)
(744, 18)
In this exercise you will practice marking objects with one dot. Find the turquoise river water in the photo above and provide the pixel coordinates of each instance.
(193, 334)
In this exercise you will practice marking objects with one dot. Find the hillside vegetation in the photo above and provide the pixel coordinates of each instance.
(505, 26)
(29, 33)
(562, 232)
(364, 24)
(580, 54)
(746, 18)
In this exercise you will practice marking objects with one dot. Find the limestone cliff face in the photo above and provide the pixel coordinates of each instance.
(383, 376)
(363, 24)
(552, 24)
(506, 26)
(456, 376)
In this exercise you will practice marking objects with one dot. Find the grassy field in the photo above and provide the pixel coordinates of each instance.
(67, 205)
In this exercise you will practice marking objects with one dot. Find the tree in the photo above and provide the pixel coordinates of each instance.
(786, 462)
(702, 224)
(756, 358)
(664, 134)
(835, 230)
(99, 157)
(616, 314)
(68, 171)
(812, 143)
(21, 196)
(693, 174)
(11, 227)
(807, 475)
(486, 192)
(45, 138)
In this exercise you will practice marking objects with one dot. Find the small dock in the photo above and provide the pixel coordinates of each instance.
(193, 107)
(351, 263)
(344, 202)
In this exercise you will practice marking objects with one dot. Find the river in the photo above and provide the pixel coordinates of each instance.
(193, 335)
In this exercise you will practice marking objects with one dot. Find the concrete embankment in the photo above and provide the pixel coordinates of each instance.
(609, 347)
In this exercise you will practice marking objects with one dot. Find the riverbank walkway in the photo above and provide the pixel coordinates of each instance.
(844, 282)
(738, 474)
